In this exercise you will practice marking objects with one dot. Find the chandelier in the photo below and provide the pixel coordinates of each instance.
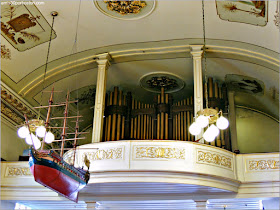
(36, 129)
(208, 116)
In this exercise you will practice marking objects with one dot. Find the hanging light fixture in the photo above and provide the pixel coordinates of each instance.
(37, 128)
(208, 116)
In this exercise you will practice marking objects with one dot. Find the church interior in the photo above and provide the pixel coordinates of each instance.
(140, 79)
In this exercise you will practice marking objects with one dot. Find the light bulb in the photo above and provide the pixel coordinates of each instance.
(208, 137)
(37, 143)
(202, 121)
(49, 138)
(30, 138)
(195, 129)
(222, 123)
(213, 130)
(41, 131)
(23, 132)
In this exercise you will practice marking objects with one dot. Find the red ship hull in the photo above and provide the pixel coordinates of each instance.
(57, 176)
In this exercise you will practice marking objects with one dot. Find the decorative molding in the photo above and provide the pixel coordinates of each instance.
(263, 165)
(5, 52)
(158, 152)
(12, 171)
(125, 7)
(104, 154)
(207, 157)
(13, 107)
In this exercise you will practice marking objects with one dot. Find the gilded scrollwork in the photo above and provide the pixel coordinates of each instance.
(104, 154)
(11, 114)
(5, 52)
(142, 152)
(213, 158)
(259, 165)
(18, 171)
(125, 7)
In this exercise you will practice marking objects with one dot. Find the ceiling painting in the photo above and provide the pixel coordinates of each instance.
(24, 26)
(125, 10)
(251, 12)
(245, 84)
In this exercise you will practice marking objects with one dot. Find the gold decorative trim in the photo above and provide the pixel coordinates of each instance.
(263, 165)
(125, 7)
(158, 152)
(13, 107)
(104, 154)
(12, 171)
(215, 159)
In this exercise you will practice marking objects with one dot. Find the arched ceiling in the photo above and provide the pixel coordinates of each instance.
(159, 42)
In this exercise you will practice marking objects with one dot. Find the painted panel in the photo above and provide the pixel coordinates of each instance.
(251, 12)
(24, 26)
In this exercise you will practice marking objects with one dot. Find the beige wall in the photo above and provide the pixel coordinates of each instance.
(11, 145)
(256, 132)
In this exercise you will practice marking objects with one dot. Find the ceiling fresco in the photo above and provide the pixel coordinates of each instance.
(251, 12)
(24, 26)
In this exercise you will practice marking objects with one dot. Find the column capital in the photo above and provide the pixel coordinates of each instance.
(103, 59)
(196, 50)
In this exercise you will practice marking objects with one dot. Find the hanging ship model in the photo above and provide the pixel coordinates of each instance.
(47, 166)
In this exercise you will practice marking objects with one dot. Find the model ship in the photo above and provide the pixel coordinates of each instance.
(47, 166)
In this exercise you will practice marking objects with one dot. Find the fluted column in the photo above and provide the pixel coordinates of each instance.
(196, 52)
(103, 64)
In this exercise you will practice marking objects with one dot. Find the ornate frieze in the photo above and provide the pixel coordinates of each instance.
(104, 154)
(125, 7)
(13, 108)
(143, 152)
(212, 158)
(261, 165)
(12, 171)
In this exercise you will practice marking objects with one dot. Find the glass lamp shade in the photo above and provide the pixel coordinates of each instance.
(195, 129)
(213, 130)
(208, 137)
(41, 131)
(49, 138)
(23, 132)
(30, 138)
(222, 123)
(37, 143)
(202, 121)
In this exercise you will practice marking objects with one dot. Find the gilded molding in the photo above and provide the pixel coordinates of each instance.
(104, 154)
(207, 157)
(142, 152)
(13, 107)
(260, 165)
(12, 171)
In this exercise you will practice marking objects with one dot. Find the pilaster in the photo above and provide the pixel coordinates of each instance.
(196, 52)
(103, 64)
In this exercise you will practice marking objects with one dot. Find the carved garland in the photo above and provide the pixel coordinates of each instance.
(125, 7)
(213, 158)
(260, 165)
(159, 152)
(18, 171)
(104, 154)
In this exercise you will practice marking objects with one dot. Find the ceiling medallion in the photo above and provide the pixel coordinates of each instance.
(125, 10)
(155, 81)
(125, 7)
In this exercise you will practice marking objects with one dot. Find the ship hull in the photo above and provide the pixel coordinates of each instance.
(56, 176)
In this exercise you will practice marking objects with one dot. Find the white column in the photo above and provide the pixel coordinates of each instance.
(196, 51)
(103, 64)
(201, 204)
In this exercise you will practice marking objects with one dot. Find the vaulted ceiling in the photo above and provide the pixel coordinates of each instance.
(157, 41)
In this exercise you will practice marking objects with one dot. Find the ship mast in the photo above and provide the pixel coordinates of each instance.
(48, 115)
(76, 135)
(64, 124)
